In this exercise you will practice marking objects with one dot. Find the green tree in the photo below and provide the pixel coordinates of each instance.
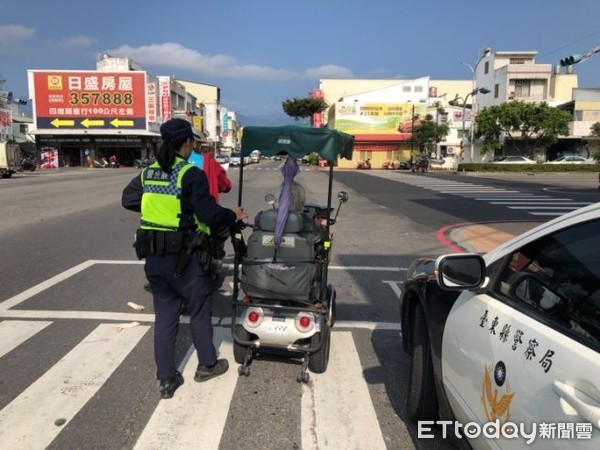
(524, 125)
(300, 108)
(595, 132)
(428, 133)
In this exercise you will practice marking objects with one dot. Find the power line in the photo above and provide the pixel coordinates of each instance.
(570, 44)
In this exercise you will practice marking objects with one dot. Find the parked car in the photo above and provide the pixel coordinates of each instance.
(255, 156)
(571, 160)
(235, 159)
(222, 159)
(511, 336)
(515, 160)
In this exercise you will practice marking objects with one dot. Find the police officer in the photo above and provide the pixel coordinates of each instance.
(177, 211)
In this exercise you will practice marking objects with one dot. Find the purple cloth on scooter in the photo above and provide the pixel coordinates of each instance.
(289, 170)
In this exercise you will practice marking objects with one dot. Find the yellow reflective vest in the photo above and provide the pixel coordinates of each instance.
(161, 201)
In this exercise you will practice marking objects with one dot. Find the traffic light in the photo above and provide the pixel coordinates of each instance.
(570, 60)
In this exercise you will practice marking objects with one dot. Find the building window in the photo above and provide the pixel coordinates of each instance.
(405, 88)
(418, 88)
(518, 60)
(522, 88)
(496, 90)
(486, 67)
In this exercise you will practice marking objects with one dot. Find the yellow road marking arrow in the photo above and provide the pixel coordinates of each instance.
(121, 123)
(92, 123)
(62, 123)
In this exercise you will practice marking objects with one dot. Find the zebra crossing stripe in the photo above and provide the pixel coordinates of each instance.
(337, 411)
(14, 332)
(36, 417)
(198, 411)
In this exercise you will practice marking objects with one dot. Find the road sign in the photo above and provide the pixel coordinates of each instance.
(89, 100)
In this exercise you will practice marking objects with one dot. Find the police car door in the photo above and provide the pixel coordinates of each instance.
(525, 349)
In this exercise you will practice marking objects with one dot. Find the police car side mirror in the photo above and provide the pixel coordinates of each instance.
(460, 271)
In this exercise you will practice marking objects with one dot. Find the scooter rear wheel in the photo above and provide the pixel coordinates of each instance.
(318, 361)
(239, 352)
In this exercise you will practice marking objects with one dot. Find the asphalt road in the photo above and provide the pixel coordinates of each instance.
(53, 222)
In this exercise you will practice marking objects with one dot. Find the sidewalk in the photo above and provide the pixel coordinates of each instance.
(483, 237)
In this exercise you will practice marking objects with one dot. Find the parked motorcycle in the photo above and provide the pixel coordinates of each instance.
(422, 165)
(364, 165)
(389, 165)
(28, 164)
(143, 162)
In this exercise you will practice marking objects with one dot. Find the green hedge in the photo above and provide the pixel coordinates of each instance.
(491, 167)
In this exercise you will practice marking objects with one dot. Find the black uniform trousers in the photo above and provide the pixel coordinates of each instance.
(195, 287)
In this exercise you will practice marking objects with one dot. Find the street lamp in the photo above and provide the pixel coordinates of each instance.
(454, 102)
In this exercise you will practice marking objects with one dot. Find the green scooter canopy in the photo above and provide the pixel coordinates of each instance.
(297, 141)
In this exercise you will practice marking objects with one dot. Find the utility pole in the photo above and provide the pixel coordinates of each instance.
(454, 102)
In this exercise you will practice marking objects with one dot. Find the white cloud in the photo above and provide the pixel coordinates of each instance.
(173, 55)
(329, 71)
(378, 73)
(14, 34)
(78, 41)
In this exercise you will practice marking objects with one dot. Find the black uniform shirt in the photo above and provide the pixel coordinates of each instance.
(195, 198)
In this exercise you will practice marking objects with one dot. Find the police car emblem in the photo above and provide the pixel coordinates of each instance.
(496, 400)
(500, 373)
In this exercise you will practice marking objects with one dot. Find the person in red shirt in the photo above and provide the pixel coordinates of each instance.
(218, 181)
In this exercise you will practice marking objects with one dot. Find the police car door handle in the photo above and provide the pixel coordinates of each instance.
(585, 406)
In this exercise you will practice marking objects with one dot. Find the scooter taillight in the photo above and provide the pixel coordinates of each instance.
(304, 322)
(254, 317)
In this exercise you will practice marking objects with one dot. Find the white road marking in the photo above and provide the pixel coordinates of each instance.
(544, 207)
(14, 332)
(149, 318)
(13, 301)
(395, 286)
(337, 411)
(29, 420)
(6, 312)
(535, 202)
(195, 417)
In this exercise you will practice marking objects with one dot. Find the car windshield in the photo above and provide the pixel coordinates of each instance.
(236, 154)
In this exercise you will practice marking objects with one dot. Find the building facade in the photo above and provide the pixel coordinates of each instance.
(117, 109)
(516, 76)
(382, 113)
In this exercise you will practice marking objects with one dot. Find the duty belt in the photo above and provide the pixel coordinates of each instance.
(153, 242)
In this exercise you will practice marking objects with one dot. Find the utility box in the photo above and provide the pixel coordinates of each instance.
(10, 158)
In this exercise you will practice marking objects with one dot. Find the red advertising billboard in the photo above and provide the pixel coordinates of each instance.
(92, 100)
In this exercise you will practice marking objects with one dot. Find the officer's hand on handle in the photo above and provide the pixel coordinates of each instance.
(239, 213)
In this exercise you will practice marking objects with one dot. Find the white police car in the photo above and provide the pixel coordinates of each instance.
(508, 344)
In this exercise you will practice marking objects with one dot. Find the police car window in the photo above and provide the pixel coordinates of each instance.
(558, 276)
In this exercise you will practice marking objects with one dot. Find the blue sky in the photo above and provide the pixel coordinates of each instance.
(262, 52)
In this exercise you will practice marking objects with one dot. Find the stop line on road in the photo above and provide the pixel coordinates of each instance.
(37, 314)
(533, 204)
